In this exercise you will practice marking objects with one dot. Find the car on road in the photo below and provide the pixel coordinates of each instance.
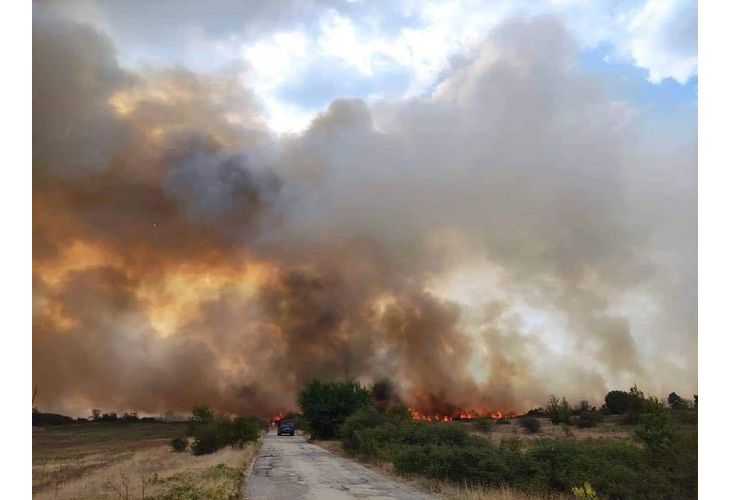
(285, 427)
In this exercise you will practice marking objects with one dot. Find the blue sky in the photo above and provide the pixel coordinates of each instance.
(298, 56)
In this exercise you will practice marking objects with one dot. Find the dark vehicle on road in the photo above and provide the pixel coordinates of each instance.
(285, 427)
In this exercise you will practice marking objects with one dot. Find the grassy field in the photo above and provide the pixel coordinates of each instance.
(88, 461)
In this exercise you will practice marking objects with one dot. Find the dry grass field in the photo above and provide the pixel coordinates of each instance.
(130, 461)
(609, 428)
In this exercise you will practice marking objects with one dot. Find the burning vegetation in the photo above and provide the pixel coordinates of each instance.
(459, 416)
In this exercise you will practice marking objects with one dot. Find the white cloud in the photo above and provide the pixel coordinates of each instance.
(663, 39)
(289, 41)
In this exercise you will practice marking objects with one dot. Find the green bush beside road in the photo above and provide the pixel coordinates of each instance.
(659, 461)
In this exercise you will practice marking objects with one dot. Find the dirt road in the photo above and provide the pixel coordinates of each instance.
(290, 468)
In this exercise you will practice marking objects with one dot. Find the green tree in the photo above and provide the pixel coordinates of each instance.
(618, 402)
(588, 416)
(637, 405)
(326, 405)
(676, 402)
(201, 417)
(656, 428)
(558, 410)
(553, 409)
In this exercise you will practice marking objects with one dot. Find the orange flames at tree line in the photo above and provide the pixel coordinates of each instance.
(460, 415)
(417, 415)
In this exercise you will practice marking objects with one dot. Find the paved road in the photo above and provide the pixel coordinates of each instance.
(290, 468)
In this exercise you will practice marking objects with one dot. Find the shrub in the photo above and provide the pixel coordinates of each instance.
(637, 405)
(615, 469)
(584, 491)
(618, 402)
(424, 433)
(40, 418)
(108, 417)
(206, 440)
(503, 421)
(211, 433)
(327, 405)
(676, 402)
(538, 412)
(588, 416)
(351, 431)
(130, 417)
(558, 410)
(245, 430)
(179, 444)
(530, 424)
(398, 412)
(656, 429)
(484, 424)
(371, 433)
(474, 464)
(201, 417)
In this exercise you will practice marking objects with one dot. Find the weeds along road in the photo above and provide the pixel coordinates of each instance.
(290, 468)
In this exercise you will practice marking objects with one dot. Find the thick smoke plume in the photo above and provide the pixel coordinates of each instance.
(508, 236)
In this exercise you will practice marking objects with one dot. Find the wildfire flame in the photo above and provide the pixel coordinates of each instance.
(276, 418)
(461, 415)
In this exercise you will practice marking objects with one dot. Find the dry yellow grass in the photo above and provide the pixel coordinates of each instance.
(131, 461)
(66, 452)
(160, 473)
(455, 492)
(610, 428)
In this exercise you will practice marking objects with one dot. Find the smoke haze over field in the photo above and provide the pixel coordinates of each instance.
(514, 232)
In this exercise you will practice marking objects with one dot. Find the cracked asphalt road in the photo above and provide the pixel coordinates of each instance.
(290, 468)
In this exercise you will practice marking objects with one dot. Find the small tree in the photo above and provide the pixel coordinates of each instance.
(202, 416)
(245, 430)
(179, 444)
(558, 410)
(130, 417)
(618, 402)
(637, 405)
(588, 416)
(676, 402)
(95, 414)
(352, 429)
(327, 405)
(553, 409)
(206, 440)
(530, 424)
(656, 428)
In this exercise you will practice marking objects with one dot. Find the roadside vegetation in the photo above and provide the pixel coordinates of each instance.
(655, 457)
(210, 432)
(112, 457)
